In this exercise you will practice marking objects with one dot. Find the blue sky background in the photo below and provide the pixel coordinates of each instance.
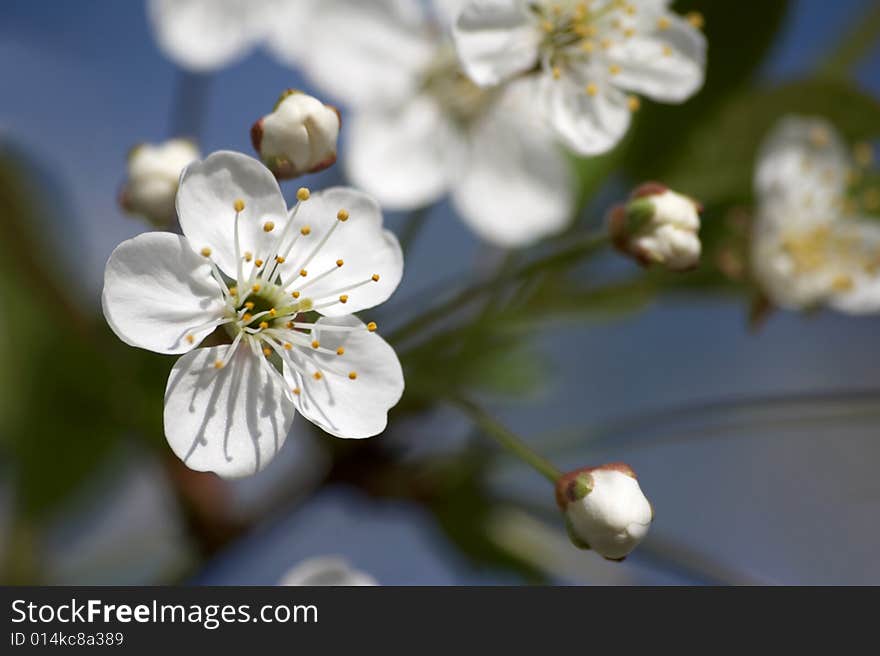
(83, 81)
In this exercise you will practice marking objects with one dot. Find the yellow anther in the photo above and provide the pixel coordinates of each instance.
(295, 294)
(296, 391)
(842, 283)
(258, 263)
(238, 205)
(585, 30)
(206, 252)
(247, 317)
(667, 51)
(372, 326)
(233, 291)
(352, 375)
(863, 153)
(339, 263)
(630, 10)
(267, 351)
(249, 305)
(256, 288)
(588, 46)
(305, 230)
(268, 226)
(279, 259)
(819, 136)
(556, 73)
(633, 103)
(606, 43)
(614, 69)
(663, 23)
(547, 26)
(287, 346)
(316, 344)
(340, 351)
(592, 89)
(629, 32)
(342, 215)
(303, 273)
(306, 304)
(273, 312)
(264, 325)
(191, 338)
(218, 364)
(248, 256)
(696, 19)
(303, 193)
(375, 277)
(317, 375)
(289, 325)
(343, 298)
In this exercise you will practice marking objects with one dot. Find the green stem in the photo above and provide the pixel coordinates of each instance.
(568, 256)
(509, 440)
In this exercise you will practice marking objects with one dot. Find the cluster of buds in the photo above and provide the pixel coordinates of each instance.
(605, 509)
(298, 137)
(658, 226)
(153, 175)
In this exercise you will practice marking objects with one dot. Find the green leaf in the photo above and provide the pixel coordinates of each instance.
(716, 163)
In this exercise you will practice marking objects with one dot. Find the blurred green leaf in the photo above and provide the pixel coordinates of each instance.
(717, 161)
(739, 35)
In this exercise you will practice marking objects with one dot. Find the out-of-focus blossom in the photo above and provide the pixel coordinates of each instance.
(153, 173)
(228, 407)
(205, 35)
(658, 226)
(327, 571)
(298, 137)
(420, 129)
(587, 57)
(605, 509)
(812, 244)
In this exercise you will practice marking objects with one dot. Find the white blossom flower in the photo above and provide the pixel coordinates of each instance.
(588, 55)
(153, 173)
(205, 35)
(419, 129)
(658, 226)
(256, 271)
(298, 137)
(326, 571)
(811, 244)
(605, 509)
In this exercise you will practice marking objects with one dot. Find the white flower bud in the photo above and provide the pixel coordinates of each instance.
(153, 174)
(658, 226)
(605, 509)
(298, 137)
(326, 571)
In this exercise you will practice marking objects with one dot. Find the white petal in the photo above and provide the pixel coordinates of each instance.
(326, 571)
(361, 53)
(666, 65)
(206, 207)
(157, 291)
(802, 162)
(403, 156)
(361, 243)
(203, 35)
(231, 421)
(495, 40)
(517, 186)
(863, 268)
(588, 124)
(341, 406)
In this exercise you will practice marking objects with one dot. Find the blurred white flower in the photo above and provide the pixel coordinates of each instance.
(419, 129)
(326, 571)
(605, 509)
(811, 245)
(298, 137)
(205, 35)
(153, 173)
(248, 265)
(658, 226)
(587, 56)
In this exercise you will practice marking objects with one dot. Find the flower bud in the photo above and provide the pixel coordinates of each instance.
(298, 137)
(658, 226)
(326, 571)
(153, 173)
(605, 509)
